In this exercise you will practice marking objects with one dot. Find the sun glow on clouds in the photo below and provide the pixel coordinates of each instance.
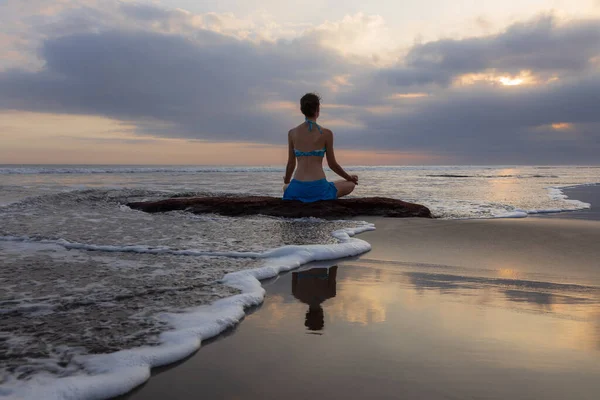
(338, 82)
(508, 81)
(281, 105)
(380, 110)
(34, 138)
(60, 138)
(494, 78)
(359, 35)
(399, 96)
(561, 126)
(357, 76)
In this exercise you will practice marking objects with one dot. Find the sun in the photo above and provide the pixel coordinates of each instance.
(524, 77)
(508, 81)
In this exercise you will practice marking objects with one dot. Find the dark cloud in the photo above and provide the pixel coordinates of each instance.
(212, 86)
(486, 123)
(541, 45)
(206, 85)
(500, 125)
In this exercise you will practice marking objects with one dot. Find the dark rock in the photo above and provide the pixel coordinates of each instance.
(273, 206)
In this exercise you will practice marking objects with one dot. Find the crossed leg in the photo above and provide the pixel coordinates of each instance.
(344, 188)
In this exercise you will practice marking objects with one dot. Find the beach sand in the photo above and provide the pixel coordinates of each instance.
(474, 309)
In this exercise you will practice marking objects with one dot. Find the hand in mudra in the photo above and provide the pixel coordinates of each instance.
(354, 179)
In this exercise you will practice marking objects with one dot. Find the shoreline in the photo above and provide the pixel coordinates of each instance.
(413, 252)
(587, 193)
(444, 259)
(119, 372)
(570, 193)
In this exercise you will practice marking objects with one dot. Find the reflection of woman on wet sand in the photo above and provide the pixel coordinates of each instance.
(313, 287)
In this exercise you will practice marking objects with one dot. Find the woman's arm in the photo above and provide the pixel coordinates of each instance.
(291, 163)
(331, 161)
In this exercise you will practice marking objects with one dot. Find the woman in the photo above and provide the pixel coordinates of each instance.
(309, 143)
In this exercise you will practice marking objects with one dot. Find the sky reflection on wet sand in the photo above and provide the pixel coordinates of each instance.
(391, 330)
(533, 316)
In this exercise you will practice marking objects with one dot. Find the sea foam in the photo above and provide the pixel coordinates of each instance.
(555, 193)
(117, 373)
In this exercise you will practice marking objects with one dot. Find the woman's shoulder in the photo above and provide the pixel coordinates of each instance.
(295, 129)
(326, 131)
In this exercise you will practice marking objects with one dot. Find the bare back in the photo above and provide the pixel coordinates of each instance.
(309, 168)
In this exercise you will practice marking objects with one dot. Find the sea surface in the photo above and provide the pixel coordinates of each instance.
(94, 293)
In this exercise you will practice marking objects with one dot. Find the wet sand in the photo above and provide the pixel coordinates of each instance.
(479, 309)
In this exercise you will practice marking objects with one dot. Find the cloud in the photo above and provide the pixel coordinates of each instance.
(360, 35)
(211, 86)
(543, 47)
(211, 76)
(514, 125)
(539, 45)
(491, 121)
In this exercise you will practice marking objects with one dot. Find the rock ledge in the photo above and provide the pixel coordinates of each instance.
(274, 206)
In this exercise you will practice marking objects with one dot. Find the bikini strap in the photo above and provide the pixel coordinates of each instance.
(310, 125)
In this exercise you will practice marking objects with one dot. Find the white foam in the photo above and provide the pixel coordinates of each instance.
(547, 211)
(556, 193)
(117, 373)
(285, 251)
(512, 214)
(134, 248)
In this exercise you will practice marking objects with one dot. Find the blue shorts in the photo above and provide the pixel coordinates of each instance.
(310, 191)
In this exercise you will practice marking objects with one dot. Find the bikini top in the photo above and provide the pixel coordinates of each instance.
(318, 153)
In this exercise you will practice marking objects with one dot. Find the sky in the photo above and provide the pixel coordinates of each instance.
(218, 82)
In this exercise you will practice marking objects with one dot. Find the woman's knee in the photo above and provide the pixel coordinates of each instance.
(344, 188)
(351, 186)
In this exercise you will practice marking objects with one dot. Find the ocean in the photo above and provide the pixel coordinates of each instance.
(94, 293)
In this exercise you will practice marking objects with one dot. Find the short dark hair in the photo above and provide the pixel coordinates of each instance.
(309, 104)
